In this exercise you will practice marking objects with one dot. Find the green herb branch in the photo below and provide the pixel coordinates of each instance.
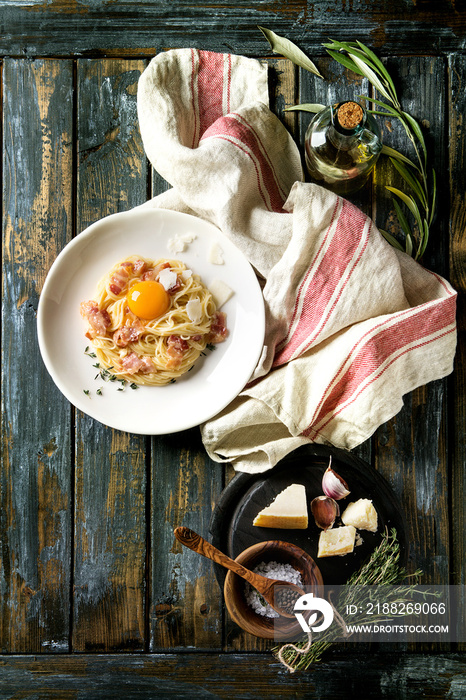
(106, 375)
(420, 202)
(382, 569)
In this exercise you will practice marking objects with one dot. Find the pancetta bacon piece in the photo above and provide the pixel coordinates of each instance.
(128, 334)
(133, 363)
(119, 278)
(218, 328)
(98, 320)
(176, 348)
(139, 266)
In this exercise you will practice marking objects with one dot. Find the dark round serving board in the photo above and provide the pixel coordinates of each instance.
(247, 494)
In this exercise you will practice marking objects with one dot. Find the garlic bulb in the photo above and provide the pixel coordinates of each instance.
(324, 510)
(333, 485)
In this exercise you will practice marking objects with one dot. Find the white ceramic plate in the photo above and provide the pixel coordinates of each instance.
(216, 378)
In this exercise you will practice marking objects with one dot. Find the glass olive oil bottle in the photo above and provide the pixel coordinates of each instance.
(342, 144)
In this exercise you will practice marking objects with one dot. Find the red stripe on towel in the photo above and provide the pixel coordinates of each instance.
(314, 295)
(194, 56)
(228, 86)
(240, 134)
(210, 86)
(284, 193)
(421, 326)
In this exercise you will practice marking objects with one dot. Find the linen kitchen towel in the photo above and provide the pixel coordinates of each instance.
(351, 323)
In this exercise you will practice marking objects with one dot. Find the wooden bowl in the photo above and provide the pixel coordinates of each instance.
(278, 628)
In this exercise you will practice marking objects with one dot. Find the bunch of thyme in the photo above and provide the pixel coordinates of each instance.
(421, 199)
(382, 569)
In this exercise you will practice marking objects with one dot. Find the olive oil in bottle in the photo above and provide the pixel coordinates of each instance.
(342, 144)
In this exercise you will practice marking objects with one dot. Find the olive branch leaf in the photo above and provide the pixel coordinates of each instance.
(420, 201)
(306, 107)
(286, 48)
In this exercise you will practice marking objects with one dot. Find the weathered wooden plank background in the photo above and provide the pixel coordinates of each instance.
(41, 27)
(457, 226)
(87, 560)
(245, 676)
(110, 467)
(36, 479)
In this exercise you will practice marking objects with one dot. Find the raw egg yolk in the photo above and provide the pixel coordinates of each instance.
(148, 299)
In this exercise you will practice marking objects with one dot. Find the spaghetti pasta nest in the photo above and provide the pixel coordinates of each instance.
(158, 350)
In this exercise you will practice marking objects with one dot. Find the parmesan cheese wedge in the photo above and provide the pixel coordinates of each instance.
(361, 514)
(220, 291)
(336, 541)
(288, 511)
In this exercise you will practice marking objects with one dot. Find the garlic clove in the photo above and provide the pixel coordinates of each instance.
(333, 485)
(325, 510)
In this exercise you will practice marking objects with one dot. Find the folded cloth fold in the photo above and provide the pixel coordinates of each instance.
(351, 323)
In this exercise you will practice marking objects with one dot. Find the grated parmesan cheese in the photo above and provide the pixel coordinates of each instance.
(194, 310)
(216, 254)
(167, 278)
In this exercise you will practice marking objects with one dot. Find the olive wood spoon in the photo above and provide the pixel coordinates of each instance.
(265, 586)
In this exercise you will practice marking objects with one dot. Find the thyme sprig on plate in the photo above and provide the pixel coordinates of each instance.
(381, 569)
(106, 375)
(420, 201)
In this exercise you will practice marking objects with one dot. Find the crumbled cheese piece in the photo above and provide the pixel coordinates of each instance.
(216, 254)
(194, 310)
(186, 274)
(175, 245)
(361, 514)
(220, 291)
(179, 242)
(336, 541)
(167, 278)
(287, 511)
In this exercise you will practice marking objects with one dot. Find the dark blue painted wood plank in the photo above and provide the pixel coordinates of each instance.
(110, 523)
(35, 486)
(412, 448)
(135, 27)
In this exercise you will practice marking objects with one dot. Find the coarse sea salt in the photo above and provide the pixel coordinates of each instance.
(271, 569)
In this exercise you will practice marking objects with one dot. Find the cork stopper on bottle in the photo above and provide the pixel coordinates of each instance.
(349, 115)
